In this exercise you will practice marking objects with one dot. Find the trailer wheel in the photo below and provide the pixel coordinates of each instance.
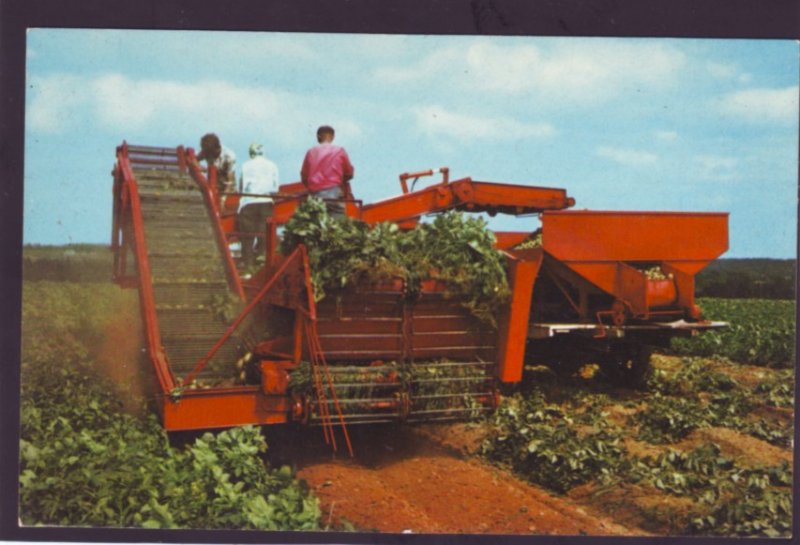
(628, 366)
(567, 362)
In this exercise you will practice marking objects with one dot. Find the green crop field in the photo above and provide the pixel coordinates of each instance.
(87, 462)
(705, 448)
(761, 332)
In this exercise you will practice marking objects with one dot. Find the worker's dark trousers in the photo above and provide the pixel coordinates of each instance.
(252, 225)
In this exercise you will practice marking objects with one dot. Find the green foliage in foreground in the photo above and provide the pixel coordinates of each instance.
(761, 332)
(85, 463)
(698, 396)
(453, 249)
(559, 448)
(537, 439)
(737, 501)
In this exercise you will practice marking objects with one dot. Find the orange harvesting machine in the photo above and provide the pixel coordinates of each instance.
(595, 286)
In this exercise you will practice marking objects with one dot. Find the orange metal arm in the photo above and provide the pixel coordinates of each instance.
(406, 175)
(466, 194)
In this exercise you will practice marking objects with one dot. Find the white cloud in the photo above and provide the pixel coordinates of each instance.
(53, 102)
(136, 103)
(506, 69)
(585, 71)
(728, 71)
(430, 67)
(436, 121)
(599, 69)
(117, 102)
(722, 70)
(666, 136)
(761, 104)
(716, 167)
(626, 156)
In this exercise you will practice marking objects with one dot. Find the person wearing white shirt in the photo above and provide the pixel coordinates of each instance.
(259, 179)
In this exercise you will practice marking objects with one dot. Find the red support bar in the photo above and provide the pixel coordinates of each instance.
(155, 350)
(150, 150)
(207, 188)
(225, 407)
(250, 306)
(181, 159)
(445, 171)
(523, 269)
(166, 161)
(115, 223)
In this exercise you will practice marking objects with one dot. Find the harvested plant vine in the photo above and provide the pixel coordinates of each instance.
(454, 249)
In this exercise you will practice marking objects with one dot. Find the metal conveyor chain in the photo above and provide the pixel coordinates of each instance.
(193, 299)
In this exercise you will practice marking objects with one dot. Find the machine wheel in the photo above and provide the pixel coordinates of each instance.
(628, 365)
(570, 362)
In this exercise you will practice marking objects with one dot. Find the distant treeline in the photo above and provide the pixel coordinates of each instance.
(748, 279)
(71, 263)
(726, 278)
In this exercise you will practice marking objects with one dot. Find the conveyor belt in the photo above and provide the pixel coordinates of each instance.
(191, 290)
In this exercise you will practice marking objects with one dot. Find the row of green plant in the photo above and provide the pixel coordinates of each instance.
(453, 248)
(731, 500)
(761, 332)
(85, 462)
(540, 441)
(561, 446)
(62, 320)
(698, 396)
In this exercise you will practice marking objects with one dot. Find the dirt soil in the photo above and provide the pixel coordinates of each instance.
(406, 479)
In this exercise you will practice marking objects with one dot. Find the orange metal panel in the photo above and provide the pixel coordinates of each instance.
(462, 339)
(293, 187)
(328, 325)
(592, 236)
(523, 269)
(661, 293)
(208, 409)
(283, 210)
(275, 377)
(602, 275)
(508, 239)
(512, 198)
(411, 205)
(631, 287)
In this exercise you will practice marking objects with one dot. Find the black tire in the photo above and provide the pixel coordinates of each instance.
(628, 365)
(566, 363)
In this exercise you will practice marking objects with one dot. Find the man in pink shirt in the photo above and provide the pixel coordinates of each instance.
(326, 170)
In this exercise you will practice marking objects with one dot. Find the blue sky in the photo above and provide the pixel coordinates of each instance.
(622, 124)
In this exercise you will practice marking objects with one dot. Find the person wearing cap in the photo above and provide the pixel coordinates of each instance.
(259, 179)
(214, 153)
(326, 171)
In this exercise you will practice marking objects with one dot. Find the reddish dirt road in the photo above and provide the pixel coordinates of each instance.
(403, 479)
